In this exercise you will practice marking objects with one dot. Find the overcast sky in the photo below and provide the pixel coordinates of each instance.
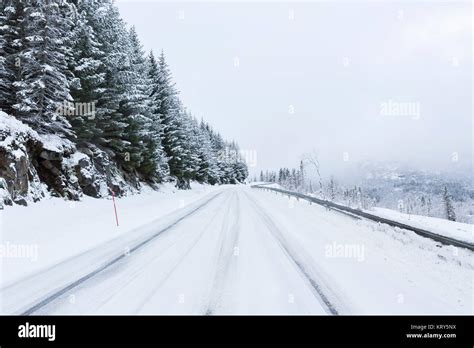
(354, 81)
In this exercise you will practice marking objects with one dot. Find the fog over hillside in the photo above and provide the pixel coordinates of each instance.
(396, 87)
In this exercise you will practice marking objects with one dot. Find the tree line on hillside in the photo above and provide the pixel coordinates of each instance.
(73, 68)
(297, 179)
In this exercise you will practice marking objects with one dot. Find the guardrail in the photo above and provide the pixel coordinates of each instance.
(357, 212)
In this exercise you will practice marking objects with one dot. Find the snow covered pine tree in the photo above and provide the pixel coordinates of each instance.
(95, 112)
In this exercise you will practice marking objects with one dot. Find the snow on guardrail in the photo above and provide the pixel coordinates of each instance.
(328, 204)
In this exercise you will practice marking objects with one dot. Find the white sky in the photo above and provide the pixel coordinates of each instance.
(334, 64)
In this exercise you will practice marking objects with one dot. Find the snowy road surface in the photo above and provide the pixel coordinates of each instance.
(247, 251)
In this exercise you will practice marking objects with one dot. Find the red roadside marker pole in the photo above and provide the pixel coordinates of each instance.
(115, 207)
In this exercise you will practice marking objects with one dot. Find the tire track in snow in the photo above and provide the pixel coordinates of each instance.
(304, 263)
(124, 281)
(229, 238)
(57, 294)
(182, 258)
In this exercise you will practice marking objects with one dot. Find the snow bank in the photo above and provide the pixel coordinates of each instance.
(457, 230)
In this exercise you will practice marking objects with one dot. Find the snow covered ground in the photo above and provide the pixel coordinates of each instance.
(236, 250)
(453, 229)
(35, 237)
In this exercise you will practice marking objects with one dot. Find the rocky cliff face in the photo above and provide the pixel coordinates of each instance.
(34, 166)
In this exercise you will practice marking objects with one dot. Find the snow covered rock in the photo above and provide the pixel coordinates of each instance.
(97, 174)
(19, 180)
(33, 166)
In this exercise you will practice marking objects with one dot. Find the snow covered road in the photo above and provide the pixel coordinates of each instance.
(246, 251)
